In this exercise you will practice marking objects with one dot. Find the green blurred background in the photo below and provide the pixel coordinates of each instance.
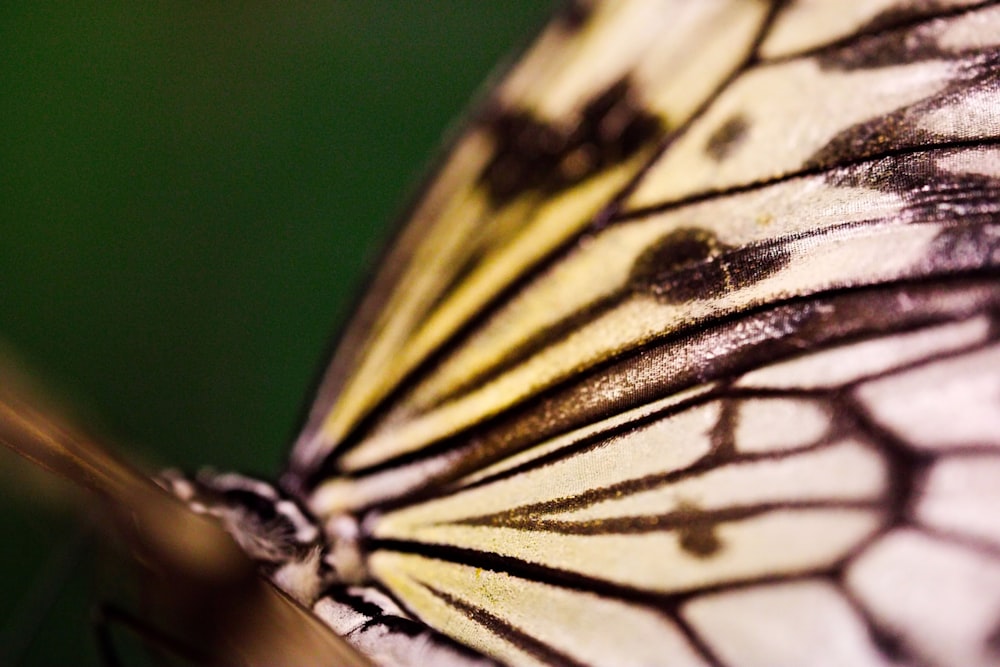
(190, 194)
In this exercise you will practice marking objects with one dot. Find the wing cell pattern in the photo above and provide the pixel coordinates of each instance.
(689, 353)
(797, 550)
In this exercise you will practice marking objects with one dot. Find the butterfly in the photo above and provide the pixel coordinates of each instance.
(702, 375)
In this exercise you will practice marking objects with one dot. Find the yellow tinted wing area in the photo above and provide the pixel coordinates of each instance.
(566, 130)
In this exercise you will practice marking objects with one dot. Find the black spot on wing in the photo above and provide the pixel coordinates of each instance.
(889, 642)
(975, 73)
(930, 191)
(533, 155)
(727, 138)
(691, 263)
(993, 641)
(574, 15)
(686, 264)
(908, 12)
(678, 250)
(899, 47)
(697, 538)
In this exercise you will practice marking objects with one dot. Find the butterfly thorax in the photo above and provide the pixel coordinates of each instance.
(290, 545)
(320, 564)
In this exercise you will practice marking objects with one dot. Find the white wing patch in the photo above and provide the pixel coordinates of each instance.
(948, 404)
(785, 423)
(962, 495)
(939, 599)
(805, 623)
(843, 365)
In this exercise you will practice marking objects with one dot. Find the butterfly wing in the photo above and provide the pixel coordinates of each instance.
(688, 353)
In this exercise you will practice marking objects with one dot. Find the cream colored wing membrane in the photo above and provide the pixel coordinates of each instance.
(806, 25)
(653, 277)
(884, 93)
(567, 130)
(745, 526)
